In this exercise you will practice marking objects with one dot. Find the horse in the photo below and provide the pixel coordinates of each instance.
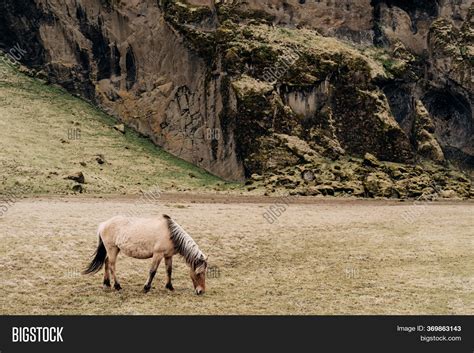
(144, 238)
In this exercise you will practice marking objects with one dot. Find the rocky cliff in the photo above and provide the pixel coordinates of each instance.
(302, 95)
(128, 59)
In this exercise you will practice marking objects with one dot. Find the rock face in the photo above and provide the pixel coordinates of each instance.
(219, 83)
(347, 19)
(127, 58)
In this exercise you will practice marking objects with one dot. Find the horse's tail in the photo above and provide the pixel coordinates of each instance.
(99, 258)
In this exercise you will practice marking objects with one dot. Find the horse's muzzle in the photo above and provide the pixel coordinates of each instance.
(199, 291)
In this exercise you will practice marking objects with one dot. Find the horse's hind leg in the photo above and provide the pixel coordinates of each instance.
(169, 270)
(106, 274)
(113, 252)
(154, 266)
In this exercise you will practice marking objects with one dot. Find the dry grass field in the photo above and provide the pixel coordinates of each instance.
(320, 257)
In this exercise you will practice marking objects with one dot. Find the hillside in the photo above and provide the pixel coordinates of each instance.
(46, 135)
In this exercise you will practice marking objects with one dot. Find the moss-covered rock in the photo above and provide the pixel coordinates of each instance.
(301, 104)
(379, 184)
(423, 130)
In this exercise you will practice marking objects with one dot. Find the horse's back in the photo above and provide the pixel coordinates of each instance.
(137, 237)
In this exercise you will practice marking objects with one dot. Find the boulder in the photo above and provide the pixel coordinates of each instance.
(77, 177)
(325, 190)
(120, 128)
(379, 184)
(78, 188)
(100, 159)
(448, 194)
(309, 191)
(308, 176)
(371, 161)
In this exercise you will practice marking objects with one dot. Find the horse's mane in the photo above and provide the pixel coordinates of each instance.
(185, 245)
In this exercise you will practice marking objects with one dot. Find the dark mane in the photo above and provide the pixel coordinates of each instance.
(185, 245)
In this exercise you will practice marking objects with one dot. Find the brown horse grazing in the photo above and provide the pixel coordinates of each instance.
(144, 238)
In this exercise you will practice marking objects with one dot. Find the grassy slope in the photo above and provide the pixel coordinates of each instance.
(36, 152)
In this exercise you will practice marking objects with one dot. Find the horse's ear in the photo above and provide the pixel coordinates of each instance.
(206, 257)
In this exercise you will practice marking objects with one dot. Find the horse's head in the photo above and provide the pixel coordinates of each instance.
(198, 275)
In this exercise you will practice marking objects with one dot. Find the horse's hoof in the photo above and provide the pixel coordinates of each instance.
(146, 289)
(169, 286)
(117, 286)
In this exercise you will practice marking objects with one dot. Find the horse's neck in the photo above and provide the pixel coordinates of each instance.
(185, 244)
(190, 251)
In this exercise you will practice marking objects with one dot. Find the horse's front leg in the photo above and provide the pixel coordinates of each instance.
(154, 266)
(169, 270)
